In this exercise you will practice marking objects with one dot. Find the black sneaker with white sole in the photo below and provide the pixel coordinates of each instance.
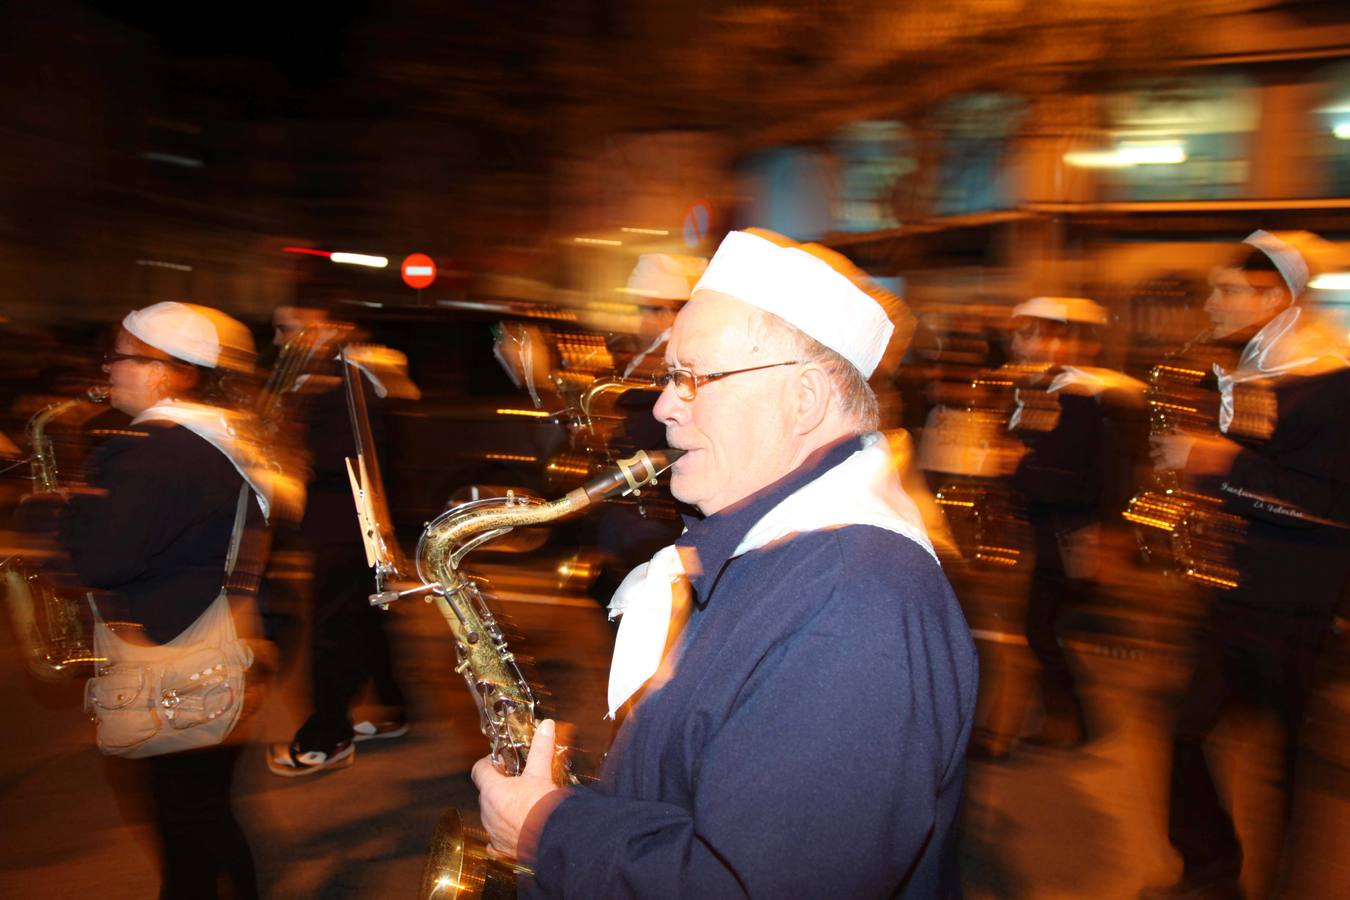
(379, 729)
(289, 761)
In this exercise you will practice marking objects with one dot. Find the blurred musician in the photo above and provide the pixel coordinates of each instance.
(153, 534)
(349, 646)
(1280, 462)
(629, 533)
(1058, 417)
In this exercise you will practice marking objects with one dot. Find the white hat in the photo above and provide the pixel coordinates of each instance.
(1062, 309)
(1298, 256)
(195, 334)
(665, 277)
(797, 285)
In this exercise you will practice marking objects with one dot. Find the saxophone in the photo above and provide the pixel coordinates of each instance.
(1186, 532)
(47, 622)
(458, 865)
(600, 438)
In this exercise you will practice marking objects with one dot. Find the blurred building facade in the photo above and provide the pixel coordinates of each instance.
(983, 151)
(1096, 149)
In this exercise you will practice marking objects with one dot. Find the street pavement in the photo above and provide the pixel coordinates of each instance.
(1044, 824)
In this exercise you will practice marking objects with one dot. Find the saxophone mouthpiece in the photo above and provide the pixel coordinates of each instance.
(97, 394)
(664, 459)
(632, 474)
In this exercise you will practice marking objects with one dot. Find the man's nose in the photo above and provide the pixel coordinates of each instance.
(668, 405)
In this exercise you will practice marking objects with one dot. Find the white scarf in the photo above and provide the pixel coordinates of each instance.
(862, 490)
(1085, 380)
(227, 432)
(1278, 348)
(1093, 381)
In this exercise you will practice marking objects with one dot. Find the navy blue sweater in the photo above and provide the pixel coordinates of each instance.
(1293, 490)
(155, 529)
(811, 741)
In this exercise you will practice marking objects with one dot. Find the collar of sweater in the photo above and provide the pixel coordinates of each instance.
(227, 432)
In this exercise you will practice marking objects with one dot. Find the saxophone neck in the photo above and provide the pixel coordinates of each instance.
(448, 539)
(612, 385)
(43, 459)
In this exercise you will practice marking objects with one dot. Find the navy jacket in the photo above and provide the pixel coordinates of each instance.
(1293, 491)
(811, 742)
(156, 527)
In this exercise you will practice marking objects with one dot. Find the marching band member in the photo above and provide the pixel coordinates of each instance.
(153, 533)
(1280, 464)
(805, 733)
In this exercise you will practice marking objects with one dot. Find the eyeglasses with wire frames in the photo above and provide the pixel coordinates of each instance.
(112, 356)
(686, 381)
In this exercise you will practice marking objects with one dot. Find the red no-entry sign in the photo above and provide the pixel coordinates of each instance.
(419, 271)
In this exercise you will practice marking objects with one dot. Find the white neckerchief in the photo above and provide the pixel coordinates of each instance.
(862, 490)
(1277, 349)
(1087, 380)
(222, 430)
(1094, 381)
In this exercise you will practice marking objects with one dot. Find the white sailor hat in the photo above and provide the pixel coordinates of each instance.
(195, 334)
(810, 287)
(1062, 309)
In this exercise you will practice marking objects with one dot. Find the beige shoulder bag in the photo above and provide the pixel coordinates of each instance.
(151, 699)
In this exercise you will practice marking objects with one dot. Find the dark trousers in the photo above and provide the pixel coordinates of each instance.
(349, 646)
(1247, 656)
(1050, 591)
(205, 852)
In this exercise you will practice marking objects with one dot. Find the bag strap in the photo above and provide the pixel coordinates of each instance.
(240, 516)
(241, 584)
(246, 561)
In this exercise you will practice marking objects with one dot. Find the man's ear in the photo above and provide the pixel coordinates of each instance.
(815, 393)
(1274, 300)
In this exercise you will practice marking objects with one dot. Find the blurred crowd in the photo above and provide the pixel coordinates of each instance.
(1195, 504)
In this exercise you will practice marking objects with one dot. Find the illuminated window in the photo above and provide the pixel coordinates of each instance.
(873, 158)
(974, 133)
(1332, 140)
(1183, 140)
(788, 190)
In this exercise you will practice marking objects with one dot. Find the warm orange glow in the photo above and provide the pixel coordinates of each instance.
(528, 413)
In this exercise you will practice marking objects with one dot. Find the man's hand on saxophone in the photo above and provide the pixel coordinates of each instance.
(506, 802)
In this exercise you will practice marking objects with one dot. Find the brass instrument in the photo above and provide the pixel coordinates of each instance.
(1184, 531)
(49, 624)
(589, 404)
(458, 865)
(601, 437)
(296, 360)
(977, 505)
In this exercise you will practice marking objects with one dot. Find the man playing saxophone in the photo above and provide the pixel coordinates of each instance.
(798, 680)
